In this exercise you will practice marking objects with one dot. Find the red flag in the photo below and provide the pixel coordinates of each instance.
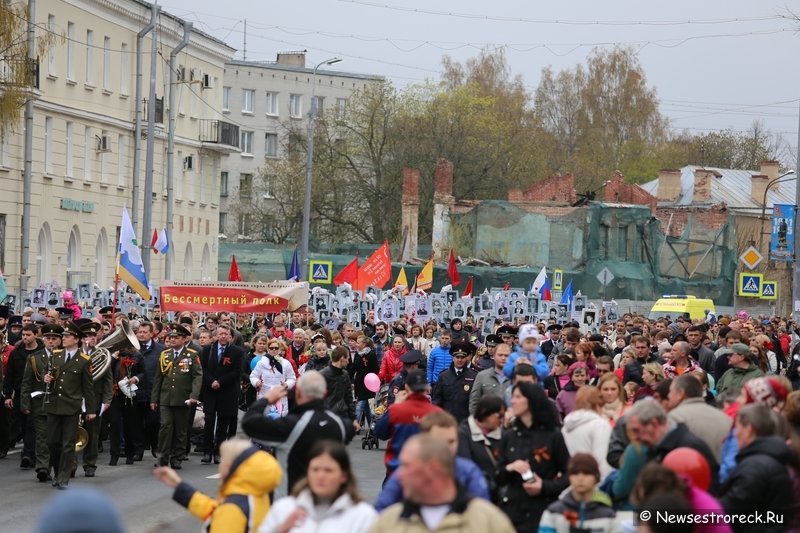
(233, 273)
(348, 274)
(452, 270)
(376, 270)
(153, 242)
(507, 286)
(468, 290)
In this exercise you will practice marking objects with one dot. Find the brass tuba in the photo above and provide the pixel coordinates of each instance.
(121, 338)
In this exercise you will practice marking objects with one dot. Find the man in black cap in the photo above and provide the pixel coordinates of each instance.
(70, 385)
(102, 396)
(64, 315)
(176, 387)
(20, 427)
(14, 330)
(410, 361)
(487, 353)
(507, 334)
(33, 390)
(553, 335)
(454, 385)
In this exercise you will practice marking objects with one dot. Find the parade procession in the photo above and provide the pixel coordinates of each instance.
(405, 267)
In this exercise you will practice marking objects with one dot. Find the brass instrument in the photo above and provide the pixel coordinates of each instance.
(120, 339)
(54, 373)
(83, 436)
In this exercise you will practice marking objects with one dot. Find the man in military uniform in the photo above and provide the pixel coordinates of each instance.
(410, 361)
(33, 397)
(452, 390)
(176, 386)
(70, 384)
(102, 399)
(486, 353)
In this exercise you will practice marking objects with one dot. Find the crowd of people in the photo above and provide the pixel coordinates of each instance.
(534, 427)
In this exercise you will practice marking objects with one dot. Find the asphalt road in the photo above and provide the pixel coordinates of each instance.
(143, 501)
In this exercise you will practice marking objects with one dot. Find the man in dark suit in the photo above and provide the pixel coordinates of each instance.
(147, 434)
(222, 365)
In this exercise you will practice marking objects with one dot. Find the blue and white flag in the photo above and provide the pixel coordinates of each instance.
(130, 268)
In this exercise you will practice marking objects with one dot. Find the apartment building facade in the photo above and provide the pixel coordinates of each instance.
(269, 101)
(83, 147)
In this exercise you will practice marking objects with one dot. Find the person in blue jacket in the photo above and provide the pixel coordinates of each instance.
(439, 359)
(440, 425)
(528, 348)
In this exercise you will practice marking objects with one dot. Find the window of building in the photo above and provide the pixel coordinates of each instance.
(121, 160)
(223, 184)
(87, 153)
(123, 69)
(103, 161)
(622, 244)
(100, 259)
(89, 57)
(71, 51)
(247, 142)
(73, 251)
(270, 182)
(43, 259)
(248, 96)
(319, 105)
(245, 185)
(223, 222)
(107, 63)
(226, 98)
(51, 51)
(245, 224)
(272, 103)
(48, 145)
(69, 140)
(296, 105)
(341, 103)
(3, 153)
(269, 228)
(271, 145)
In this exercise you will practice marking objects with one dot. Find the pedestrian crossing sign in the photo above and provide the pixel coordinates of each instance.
(320, 271)
(750, 284)
(769, 290)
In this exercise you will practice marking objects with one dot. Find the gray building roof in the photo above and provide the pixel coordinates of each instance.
(732, 187)
(272, 65)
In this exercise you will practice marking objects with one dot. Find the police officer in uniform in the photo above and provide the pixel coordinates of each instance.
(32, 397)
(451, 392)
(70, 385)
(410, 361)
(102, 398)
(176, 386)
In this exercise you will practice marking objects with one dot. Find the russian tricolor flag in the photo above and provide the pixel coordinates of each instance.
(542, 285)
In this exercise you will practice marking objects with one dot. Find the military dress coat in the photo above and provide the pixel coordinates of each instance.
(177, 379)
(72, 385)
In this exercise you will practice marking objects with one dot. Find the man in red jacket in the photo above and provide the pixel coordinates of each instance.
(402, 419)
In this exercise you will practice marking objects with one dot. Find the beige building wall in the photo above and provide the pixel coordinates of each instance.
(86, 94)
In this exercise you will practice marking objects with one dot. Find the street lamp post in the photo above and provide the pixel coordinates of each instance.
(310, 164)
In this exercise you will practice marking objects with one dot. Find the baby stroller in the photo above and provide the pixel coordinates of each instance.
(369, 440)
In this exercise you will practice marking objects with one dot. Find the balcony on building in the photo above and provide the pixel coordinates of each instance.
(219, 136)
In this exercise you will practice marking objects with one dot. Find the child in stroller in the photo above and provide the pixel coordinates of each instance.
(381, 404)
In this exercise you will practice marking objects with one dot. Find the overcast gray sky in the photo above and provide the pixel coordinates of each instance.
(716, 64)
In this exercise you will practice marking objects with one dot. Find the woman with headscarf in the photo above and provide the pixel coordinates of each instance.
(272, 371)
(565, 401)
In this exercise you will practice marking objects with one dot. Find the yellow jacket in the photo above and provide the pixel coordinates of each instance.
(243, 496)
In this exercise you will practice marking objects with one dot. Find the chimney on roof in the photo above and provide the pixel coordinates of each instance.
(772, 170)
(292, 59)
(669, 185)
(702, 185)
(758, 187)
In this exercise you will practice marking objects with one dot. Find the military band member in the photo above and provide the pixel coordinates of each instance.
(102, 398)
(32, 396)
(176, 386)
(70, 385)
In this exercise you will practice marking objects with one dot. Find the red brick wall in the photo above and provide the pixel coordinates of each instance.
(628, 193)
(443, 183)
(551, 189)
(714, 218)
(410, 186)
(515, 195)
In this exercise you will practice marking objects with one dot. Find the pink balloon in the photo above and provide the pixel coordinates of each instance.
(372, 382)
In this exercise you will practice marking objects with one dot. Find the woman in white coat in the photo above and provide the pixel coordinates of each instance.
(586, 430)
(326, 500)
(272, 371)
